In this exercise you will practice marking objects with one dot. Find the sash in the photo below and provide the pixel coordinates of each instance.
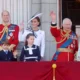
(10, 30)
(64, 45)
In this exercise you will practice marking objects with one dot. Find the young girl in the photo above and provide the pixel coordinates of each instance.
(30, 52)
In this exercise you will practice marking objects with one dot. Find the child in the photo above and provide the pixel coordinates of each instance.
(30, 52)
(5, 54)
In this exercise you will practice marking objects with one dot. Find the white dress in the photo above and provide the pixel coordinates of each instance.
(39, 39)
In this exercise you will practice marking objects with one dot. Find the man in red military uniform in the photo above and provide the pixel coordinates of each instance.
(67, 41)
(8, 31)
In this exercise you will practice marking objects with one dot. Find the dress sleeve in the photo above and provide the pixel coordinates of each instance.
(42, 45)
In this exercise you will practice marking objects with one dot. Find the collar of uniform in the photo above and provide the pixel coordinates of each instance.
(8, 25)
(36, 30)
(5, 51)
(69, 31)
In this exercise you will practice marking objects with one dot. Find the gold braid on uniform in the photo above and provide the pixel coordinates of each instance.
(64, 36)
(5, 30)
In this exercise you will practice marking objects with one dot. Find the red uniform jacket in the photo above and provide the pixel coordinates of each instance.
(12, 34)
(60, 39)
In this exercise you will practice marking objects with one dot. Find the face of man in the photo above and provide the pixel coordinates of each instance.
(5, 16)
(67, 25)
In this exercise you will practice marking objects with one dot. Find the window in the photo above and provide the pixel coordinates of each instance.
(19, 10)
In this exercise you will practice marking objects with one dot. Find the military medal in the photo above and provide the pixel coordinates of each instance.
(72, 45)
(11, 34)
(8, 37)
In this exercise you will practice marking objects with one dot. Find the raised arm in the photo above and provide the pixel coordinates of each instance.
(54, 30)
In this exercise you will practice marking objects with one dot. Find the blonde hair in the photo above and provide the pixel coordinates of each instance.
(5, 11)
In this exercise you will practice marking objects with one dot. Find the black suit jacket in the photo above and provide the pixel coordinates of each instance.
(7, 57)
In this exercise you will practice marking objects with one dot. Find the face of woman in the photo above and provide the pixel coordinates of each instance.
(35, 23)
(30, 40)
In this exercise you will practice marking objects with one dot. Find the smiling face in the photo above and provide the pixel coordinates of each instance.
(35, 23)
(67, 24)
(5, 46)
(5, 16)
(30, 40)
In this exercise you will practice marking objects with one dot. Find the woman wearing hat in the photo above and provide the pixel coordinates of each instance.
(39, 34)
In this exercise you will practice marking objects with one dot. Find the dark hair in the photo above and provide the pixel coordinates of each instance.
(6, 12)
(27, 37)
(38, 19)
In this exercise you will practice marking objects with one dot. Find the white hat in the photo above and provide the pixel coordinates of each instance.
(33, 17)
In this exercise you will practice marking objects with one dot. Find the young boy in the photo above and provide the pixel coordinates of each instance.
(5, 54)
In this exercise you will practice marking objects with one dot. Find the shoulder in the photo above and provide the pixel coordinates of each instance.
(24, 47)
(1, 51)
(74, 34)
(35, 46)
(10, 52)
(14, 25)
(27, 31)
(1, 24)
(60, 29)
(42, 32)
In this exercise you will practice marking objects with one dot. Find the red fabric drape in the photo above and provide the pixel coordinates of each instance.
(39, 71)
